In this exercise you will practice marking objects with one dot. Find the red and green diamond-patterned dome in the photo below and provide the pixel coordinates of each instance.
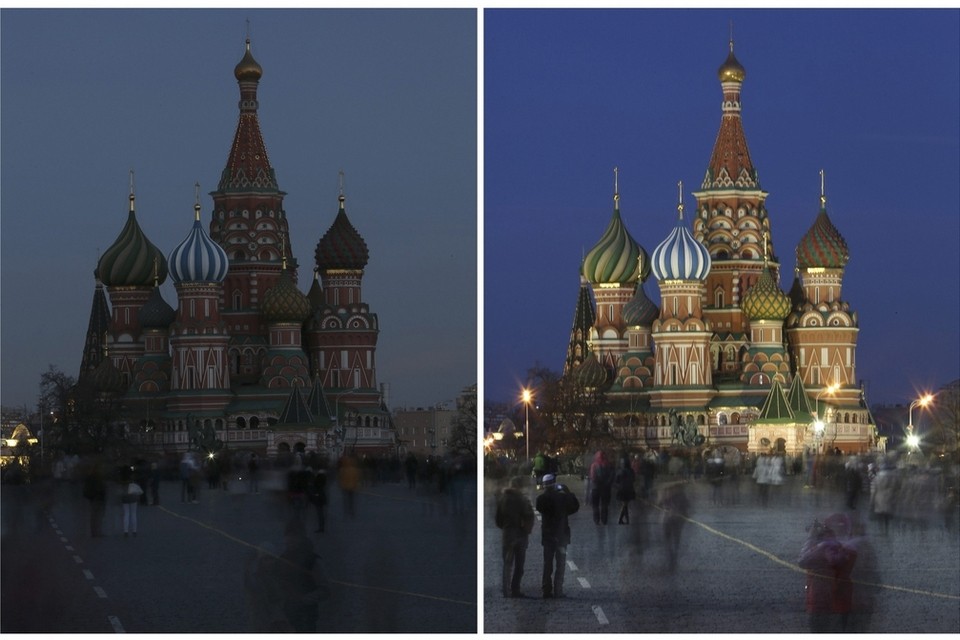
(822, 246)
(341, 247)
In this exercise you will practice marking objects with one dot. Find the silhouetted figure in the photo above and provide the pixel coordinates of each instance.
(514, 516)
(95, 491)
(555, 505)
(829, 563)
(349, 479)
(675, 510)
(601, 486)
(623, 482)
(318, 495)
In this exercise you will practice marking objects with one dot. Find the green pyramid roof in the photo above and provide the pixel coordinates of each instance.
(776, 408)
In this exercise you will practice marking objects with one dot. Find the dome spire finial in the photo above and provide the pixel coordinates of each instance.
(196, 206)
(823, 196)
(680, 205)
(341, 197)
(156, 271)
(731, 36)
(283, 251)
(765, 249)
(132, 196)
(616, 188)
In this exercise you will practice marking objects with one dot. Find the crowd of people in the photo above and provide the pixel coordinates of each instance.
(888, 494)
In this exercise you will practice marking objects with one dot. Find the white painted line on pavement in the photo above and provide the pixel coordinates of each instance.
(115, 622)
(601, 618)
(78, 559)
(88, 574)
(63, 538)
(572, 566)
(68, 548)
(100, 592)
(583, 583)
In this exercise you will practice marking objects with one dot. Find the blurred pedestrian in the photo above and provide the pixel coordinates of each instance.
(95, 491)
(130, 499)
(883, 494)
(853, 481)
(714, 474)
(318, 495)
(410, 465)
(299, 480)
(829, 563)
(675, 510)
(600, 486)
(648, 470)
(623, 481)
(253, 473)
(188, 489)
(555, 505)
(514, 516)
(349, 479)
(154, 483)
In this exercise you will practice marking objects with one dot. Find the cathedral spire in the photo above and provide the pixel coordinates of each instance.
(616, 188)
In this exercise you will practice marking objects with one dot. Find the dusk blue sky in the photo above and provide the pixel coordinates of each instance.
(389, 97)
(872, 97)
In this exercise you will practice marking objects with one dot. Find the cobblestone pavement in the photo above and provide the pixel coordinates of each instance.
(737, 570)
(405, 562)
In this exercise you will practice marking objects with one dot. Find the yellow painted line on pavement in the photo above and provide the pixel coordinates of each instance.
(799, 569)
(331, 580)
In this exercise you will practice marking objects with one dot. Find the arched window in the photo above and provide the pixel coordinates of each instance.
(241, 423)
(735, 418)
(254, 422)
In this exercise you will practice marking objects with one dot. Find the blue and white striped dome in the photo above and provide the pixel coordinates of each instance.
(198, 258)
(680, 257)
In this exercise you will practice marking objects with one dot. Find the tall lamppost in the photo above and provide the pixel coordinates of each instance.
(913, 441)
(527, 396)
(818, 424)
(338, 431)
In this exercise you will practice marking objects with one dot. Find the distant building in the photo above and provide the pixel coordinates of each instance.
(424, 431)
(728, 359)
(245, 359)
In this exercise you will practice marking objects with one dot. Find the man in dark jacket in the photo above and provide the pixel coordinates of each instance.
(555, 505)
(515, 518)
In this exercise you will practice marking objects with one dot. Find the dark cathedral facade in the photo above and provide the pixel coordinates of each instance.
(244, 359)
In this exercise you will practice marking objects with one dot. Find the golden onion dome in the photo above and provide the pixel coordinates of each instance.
(731, 70)
(248, 68)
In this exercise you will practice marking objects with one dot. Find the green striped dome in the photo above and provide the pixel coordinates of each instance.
(129, 262)
(616, 258)
(590, 373)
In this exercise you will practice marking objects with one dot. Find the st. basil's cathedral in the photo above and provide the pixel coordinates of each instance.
(245, 359)
(728, 360)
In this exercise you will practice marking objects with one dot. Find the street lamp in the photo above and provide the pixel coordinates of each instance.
(913, 441)
(527, 396)
(341, 435)
(818, 425)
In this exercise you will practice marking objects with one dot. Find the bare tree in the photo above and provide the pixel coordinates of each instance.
(463, 435)
(945, 418)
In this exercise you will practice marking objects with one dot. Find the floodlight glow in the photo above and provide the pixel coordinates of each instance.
(913, 441)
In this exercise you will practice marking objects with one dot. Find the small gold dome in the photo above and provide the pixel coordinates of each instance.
(248, 68)
(731, 70)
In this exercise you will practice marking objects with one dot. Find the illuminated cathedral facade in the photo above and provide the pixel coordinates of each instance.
(728, 359)
(245, 359)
